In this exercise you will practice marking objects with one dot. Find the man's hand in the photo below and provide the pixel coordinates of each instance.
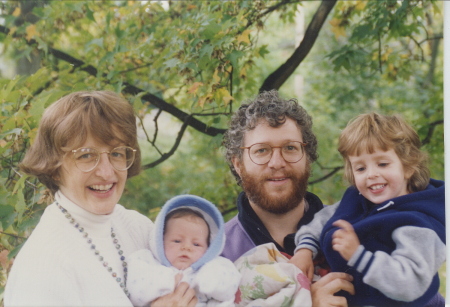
(323, 290)
(183, 296)
(345, 241)
(303, 260)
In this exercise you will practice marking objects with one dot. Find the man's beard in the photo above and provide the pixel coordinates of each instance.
(254, 189)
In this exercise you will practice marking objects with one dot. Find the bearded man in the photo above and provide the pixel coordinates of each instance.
(270, 147)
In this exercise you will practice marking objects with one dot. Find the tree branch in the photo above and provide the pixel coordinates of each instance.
(279, 76)
(431, 128)
(172, 150)
(229, 210)
(271, 9)
(334, 171)
(12, 235)
(133, 90)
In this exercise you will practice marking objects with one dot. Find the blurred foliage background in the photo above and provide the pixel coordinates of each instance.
(187, 65)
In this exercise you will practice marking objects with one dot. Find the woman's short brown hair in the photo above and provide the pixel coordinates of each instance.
(368, 132)
(66, 124)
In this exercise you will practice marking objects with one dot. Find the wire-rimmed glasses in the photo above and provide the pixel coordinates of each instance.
(261, 153)
(86, 158)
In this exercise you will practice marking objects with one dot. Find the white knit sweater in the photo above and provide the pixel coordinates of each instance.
(57, 267)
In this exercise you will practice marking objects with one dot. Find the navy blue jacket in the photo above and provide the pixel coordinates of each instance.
(402, 246)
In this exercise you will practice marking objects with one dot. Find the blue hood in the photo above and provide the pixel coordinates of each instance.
(212, 216)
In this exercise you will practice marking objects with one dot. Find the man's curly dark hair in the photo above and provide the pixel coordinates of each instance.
(270, 107)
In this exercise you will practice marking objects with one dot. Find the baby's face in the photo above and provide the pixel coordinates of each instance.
(185, 241)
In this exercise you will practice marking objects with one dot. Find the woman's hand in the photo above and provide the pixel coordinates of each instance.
(345, 241)
(303, 260)
(323, 290)
(183, 296)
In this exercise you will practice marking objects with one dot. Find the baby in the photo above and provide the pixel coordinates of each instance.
(188, 239)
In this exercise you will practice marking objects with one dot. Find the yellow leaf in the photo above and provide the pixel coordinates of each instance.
(222, 94)
(360, 5)
(3, 143)
(385, 56)
(216, 77)
(193, 89)
(204, 99)
(16, 12)
(374, 56)
(336, 28)
(244, 37)
(243, 72)
(335, 22)
(4, 261)
(12, 30)
(31, 31)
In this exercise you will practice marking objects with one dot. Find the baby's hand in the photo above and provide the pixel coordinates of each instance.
(303, 260)
(345, 241)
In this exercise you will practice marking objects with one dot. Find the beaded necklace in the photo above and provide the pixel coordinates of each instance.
(122, 284)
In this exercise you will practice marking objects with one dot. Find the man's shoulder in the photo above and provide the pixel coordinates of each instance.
(234, 229)
(237, 240)
(234, 222)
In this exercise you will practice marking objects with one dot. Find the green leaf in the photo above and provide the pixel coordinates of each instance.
(15, 131)
(96, 41)
(15, 251)
(211, 30)
(206, 50)
(20, 207)
(89, 13)
(7, 216)
(171, 63)
(263, 51)
(20, 184)
(234, 57)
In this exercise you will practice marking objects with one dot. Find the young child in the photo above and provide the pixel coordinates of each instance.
(388, 231)
(188, 239)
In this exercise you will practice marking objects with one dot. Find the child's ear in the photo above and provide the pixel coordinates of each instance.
(408, 173)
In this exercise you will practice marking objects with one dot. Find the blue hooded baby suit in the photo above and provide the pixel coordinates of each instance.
(215, 279)
(402, 245)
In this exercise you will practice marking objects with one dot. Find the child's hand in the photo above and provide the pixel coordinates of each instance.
(345, 241)
(303, 260)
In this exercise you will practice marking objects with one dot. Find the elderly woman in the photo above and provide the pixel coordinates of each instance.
(85, 150)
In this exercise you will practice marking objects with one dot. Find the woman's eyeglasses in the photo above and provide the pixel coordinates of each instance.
(121, 158)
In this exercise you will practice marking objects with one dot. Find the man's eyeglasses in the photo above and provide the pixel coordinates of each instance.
(121, 158)
(261, 153)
